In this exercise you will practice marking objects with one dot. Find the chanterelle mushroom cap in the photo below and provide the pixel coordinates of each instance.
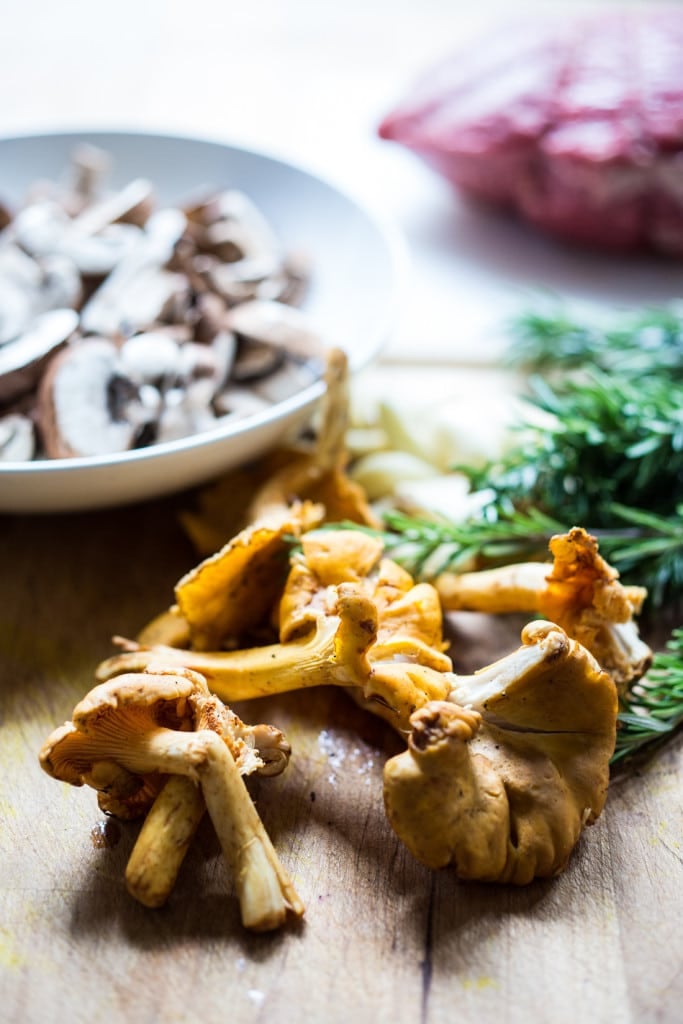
(501, 779)
(234, 590)
(97, 748)
(407, 658)
(407, 612)
(580, 591)
(327, 559)
(585, 596)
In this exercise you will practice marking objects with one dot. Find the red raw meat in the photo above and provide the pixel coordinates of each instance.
(577, 125)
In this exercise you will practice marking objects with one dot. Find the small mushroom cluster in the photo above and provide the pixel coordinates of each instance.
(125, 324)
(504, 768)
(158, 743)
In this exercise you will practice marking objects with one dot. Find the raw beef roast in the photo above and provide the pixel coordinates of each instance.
(576, 125)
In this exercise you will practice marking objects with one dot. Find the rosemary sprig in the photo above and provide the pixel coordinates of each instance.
(609, 452)
(603, 440)
(648, 342)
(647, 548)
(651, 553)
(427, 548)
(654, 707)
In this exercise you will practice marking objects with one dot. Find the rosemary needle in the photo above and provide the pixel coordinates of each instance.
(653, 708)
(635, 343)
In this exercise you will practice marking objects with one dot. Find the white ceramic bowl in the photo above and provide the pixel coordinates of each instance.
(356, 268)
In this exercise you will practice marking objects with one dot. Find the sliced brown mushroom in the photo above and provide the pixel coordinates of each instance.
(211, 311)
(138, 290)
(209, 362)
(5, 216)
(186, 411)
(297, 275)
(117, 207)
(151, 357)
(29, 287)
(232, 212)
(132, 272)
(17, 438)
(39, 228)
(97, 255)
(22, 360)
(289, 380)
(240, 281)
(94, 233)
(254, 360)
(237, 248)
(89, 166)
(186, 375)
(99, 397)
(226, 239)
(239, 402)
(85, 406)
(20, 279)
(61, 284)
(278, 325)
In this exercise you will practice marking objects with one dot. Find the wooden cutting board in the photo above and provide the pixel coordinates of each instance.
(383, 939)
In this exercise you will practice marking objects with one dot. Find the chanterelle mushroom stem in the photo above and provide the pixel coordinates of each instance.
(332, 653)
(173, 818)
(264, 889)
(163, 841)
(505, 589)
(242, 675)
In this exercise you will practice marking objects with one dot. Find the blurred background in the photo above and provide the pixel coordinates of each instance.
(309, 82)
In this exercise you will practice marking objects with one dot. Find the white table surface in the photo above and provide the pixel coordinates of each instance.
(308, 81)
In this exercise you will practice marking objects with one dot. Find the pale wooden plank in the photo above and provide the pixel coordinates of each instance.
(383, 937)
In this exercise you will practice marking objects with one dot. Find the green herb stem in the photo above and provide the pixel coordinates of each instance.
(654, 707)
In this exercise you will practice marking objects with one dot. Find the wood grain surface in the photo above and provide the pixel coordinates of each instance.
(383, 939)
